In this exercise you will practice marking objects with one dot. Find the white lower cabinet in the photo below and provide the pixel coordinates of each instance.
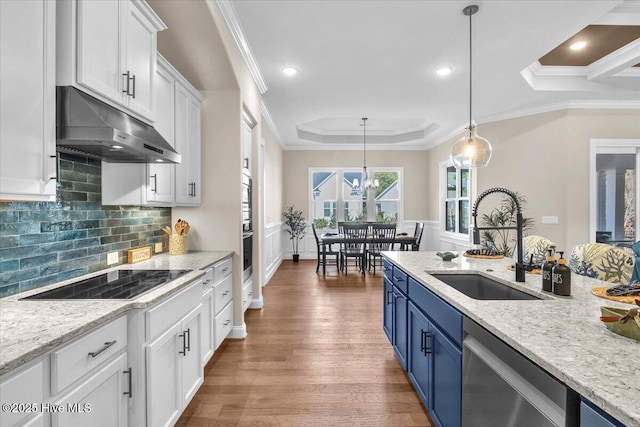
(208, 316)
(86, 382)
(174, 355)
(223, 300)
(247, 294)
(99, 401)
(25, 385)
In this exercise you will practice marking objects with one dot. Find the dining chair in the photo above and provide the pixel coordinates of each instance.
(417, 233)
(328, 251)
(357, 250)
(380, 231)
(535, 249)
(602, 261)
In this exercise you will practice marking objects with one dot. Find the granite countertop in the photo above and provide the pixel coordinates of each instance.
(31, 328)
(562, 335)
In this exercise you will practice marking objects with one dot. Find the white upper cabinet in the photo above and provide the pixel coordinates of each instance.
(27, 100)
(177, 105)
(187, 139)
(108, 49)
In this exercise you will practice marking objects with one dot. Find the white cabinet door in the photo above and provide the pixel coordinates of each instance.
(100, 401)
(164, 378)
(27, 100)
(99, 52)
(192, 360)
(140, 60)
(187, 144)
(159, 185)
(207, 325)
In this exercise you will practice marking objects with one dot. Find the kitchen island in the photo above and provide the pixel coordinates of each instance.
(563, 336)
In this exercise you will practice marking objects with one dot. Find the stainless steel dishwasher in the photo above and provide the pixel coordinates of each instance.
(501, 387)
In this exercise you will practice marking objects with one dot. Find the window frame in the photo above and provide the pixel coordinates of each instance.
(442, 206)
(370, 200)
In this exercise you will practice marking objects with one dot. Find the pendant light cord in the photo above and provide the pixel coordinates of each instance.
(364, 152)
(470, 71)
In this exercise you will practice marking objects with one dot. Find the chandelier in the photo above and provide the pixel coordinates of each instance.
(367, 182)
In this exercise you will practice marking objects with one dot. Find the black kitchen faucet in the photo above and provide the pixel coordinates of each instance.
(520, 271)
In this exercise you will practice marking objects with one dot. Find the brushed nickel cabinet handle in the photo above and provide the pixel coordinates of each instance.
(106, 346)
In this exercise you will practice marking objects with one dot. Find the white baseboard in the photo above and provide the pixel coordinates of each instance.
(238, 332)
(257, 303)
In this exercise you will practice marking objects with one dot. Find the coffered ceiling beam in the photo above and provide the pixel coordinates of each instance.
(623, 58)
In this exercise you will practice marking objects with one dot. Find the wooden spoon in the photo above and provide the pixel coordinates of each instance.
(167, 230)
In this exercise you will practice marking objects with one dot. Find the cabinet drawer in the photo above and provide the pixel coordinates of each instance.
(399, 279)
(446, 317)
(224, 323)
(25, 387)
(207, 280)
(162, 316)
(223, 293)
(222, 269)
(77, 359)
(387, 267)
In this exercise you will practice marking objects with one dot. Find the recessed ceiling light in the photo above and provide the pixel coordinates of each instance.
(289, 71)
(117, 147)
(444, 71)
(578, 45)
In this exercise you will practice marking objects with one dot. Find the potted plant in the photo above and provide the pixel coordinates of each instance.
(296, 227)
(503, 216)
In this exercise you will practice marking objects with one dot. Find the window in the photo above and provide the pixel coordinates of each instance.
(455, 198)
(335, 198)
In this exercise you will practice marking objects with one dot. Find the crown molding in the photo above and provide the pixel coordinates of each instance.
(547, 108)
(564, 105)
(231, 18)
(267, 116)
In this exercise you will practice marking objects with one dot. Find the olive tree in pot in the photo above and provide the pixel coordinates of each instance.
(296, 227)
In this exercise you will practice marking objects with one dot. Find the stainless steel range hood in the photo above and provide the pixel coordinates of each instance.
(89, 127)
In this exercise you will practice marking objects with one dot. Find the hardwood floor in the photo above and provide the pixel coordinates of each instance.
(315, 355)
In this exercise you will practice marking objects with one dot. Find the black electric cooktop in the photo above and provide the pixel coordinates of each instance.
(118, 284)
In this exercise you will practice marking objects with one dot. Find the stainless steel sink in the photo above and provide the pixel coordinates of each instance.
(479, 287)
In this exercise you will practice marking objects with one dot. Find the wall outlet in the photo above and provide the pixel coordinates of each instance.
(112, 258)
(549, 220)
(158, 247)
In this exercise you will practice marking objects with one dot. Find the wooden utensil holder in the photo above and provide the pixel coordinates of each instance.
(177, 244)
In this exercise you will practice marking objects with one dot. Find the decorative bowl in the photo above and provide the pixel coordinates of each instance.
(611, 318)
(447, 256)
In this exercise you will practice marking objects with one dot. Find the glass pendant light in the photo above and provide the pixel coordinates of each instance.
(471, 151)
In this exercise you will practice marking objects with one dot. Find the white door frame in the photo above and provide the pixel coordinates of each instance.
(602, 145)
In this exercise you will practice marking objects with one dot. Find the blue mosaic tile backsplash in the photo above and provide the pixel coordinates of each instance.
(46, 242)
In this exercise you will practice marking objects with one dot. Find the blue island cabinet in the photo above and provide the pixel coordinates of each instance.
(395, 310)
(426, 334)
(592, 416)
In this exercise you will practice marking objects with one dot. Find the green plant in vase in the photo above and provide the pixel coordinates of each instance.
(296, 227)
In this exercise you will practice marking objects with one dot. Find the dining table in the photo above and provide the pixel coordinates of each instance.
(328, 239)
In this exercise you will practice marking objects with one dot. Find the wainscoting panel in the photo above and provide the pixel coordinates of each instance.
(273, 249)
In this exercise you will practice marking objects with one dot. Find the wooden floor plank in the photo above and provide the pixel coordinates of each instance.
(315, 355)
